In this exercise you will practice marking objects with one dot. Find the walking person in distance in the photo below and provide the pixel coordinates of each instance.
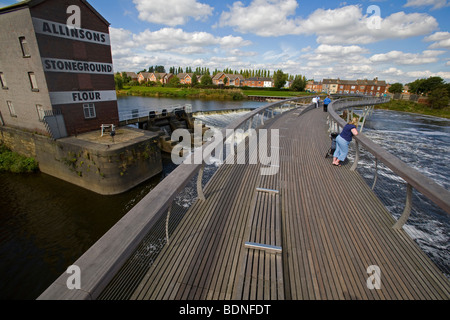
(326, 102)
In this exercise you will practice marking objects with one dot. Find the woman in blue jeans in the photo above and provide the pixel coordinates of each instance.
(343, 140)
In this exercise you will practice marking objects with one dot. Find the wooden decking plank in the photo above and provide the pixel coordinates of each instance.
(213, 239)
(187, 226)
(393, 259)
(236, 239)
(351, 233)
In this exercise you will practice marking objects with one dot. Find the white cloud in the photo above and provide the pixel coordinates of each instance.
(172, 12)
(427, 74)
(393, 72)
(355, 29)
(440, 39)
(402, 58)
(340, 50)
(437, 4)
(176, 39)
(262, 17)
(344, 25)
(169, 46)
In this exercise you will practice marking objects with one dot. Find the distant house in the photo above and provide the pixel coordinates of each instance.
(132, 75)
(330, 86)
(259, 82)
(143, 76)
(221, 78)
(236, 80)
(156, 77)
(185, 78)
(166, 78)
(314, 86)
(373, 87)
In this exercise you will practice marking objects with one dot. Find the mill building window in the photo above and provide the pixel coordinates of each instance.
(40, 112)
(89, 111)
(12, 111)
(3, 81)
(33, 82)
(24, 46)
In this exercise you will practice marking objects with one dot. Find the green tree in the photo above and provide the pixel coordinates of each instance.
(298, 84)
(416, 86)
(432, 83)
(160, 69)
(118, 81)
(279, 79)
(425, 86)
(206, 80)
(396, 88)
(438, 98)
(194, 80)
(174, 81)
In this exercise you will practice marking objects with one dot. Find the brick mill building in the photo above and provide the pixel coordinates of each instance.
(56, 75)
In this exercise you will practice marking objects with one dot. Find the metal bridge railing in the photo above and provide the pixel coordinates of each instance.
(100, 263)
(414, 179)
(152, 112)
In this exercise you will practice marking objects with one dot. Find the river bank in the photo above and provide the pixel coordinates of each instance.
(233, 94)
(414, 107)
(15, 163)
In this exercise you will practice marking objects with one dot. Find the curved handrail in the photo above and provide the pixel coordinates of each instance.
(437, 194)
(103, 260)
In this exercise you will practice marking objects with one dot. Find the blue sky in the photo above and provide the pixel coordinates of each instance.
(397, 41)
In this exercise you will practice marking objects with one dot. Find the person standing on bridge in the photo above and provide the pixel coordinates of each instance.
(343, 140)
(326, 102)
(314, 100)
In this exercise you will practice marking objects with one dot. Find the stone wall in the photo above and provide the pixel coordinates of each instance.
(103, 169)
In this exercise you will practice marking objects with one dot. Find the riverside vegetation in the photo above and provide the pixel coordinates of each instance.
(13, 162)
(415, 107)
(204, 93)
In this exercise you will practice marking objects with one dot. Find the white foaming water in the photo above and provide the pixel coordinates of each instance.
(423, 143)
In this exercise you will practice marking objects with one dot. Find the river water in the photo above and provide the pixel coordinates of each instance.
(46, 223)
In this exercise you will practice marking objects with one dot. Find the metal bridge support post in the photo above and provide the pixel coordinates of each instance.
(262, 118)
(250, 123)
(200, 194)
(375, 176)
(355, 163)
(407, 211)
(167, 222)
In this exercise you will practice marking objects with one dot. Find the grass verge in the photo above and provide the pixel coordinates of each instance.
(414, 107)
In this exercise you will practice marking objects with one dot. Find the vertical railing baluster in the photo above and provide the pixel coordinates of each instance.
(167, 222)
(407, 211)
(200, 194)
(375, 177)
(355, 163)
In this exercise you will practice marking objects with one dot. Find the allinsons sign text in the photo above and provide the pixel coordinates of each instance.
(64, 31)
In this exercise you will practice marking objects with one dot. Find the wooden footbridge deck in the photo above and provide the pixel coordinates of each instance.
(321, 225)
(312, 231)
